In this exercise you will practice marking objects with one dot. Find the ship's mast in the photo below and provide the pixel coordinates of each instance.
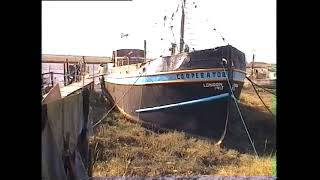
(182, 27)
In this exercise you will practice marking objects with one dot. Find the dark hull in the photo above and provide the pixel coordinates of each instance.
(204, 119)
(176, 79)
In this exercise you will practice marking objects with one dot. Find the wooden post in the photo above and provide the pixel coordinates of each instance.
(252, 69)
(76, 65)
(115, 59)
(68, 72)
(84, 66)
(75, 72)
(51, 77)
(64, 74)
(93, 75)
(83, 70)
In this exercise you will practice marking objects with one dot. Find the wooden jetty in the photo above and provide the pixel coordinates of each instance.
(60, 92)
(75, 87)
(50, 58)
(72, 59)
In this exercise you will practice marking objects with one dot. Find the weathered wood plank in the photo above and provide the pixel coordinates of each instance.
(53, 95)
(71, 88)
(48, 58)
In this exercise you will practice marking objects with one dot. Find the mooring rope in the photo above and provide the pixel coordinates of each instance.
(235, 100)
(262, 100)
(225, 126)
(140, 103)
(253, 83)
(116, 102)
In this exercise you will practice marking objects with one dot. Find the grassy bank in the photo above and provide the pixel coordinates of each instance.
(249, 97)
(126, 149)
(122, 148)
(274, 105)
(274, 166)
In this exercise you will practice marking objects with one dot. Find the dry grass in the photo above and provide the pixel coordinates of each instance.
(127, 149)
(249, 97)
(248, 166)
(122, 148)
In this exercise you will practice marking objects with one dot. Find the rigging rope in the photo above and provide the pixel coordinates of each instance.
(174, 38)
(235, 100)
(116, 102)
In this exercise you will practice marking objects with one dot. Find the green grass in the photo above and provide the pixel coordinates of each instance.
(274, 166)
(274, 105)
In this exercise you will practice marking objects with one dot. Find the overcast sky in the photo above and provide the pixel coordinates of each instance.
(94, 28)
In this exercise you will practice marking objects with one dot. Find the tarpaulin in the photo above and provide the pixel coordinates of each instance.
(64, 124)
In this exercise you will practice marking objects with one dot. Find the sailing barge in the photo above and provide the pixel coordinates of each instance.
(187, 91)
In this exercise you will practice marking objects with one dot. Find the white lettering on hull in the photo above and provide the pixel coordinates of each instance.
(218, 86)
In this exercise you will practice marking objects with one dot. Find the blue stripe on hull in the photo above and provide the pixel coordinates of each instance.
(187, 77)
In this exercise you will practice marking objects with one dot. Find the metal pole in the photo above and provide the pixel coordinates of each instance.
(182, 27)
(145, 50)
(230, 68)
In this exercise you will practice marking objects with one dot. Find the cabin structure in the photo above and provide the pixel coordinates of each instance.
(123, 57)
